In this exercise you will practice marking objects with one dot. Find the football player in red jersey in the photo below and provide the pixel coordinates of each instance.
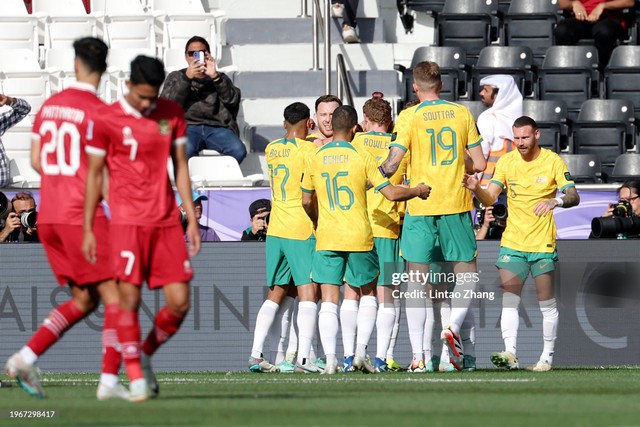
(134, 137)
(61, 130)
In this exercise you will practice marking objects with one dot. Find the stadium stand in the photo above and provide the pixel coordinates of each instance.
(584, 168)
(452, 62)
(605, 127)
(552, 119)
(622, 75)
(530, 23)
(627, 167)
(516, 61)
(470, 24)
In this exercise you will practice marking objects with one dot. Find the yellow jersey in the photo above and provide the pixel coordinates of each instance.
(338, 173)
(384, 214)
(527, 184)
(286, 159)
(437, 133)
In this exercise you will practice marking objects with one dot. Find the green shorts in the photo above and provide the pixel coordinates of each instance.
(287, 258)
(521, 263)
(355, 268)
(388, 258)
(421, 233)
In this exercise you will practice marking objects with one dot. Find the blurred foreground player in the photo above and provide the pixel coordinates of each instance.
(135, 137)
(61, 131)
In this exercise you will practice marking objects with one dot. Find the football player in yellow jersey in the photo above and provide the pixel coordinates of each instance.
(338, 175)
(290, 243)
(325, 106)
(441, 135)
(531, 177)
(385, 223)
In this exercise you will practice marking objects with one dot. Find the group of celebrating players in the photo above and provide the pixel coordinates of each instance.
(336, 221)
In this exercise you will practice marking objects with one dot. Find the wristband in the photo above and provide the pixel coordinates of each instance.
(384, 175)
(560, 201)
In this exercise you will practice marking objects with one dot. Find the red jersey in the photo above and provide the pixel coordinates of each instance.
(137, 148)
(63, 126)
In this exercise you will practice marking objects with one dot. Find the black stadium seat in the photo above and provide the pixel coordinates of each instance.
(584, 168)
(627, 167)
(551, 117)
(605, 127)
(530, 23)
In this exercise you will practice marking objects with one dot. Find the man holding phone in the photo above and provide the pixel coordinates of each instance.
(210, 102)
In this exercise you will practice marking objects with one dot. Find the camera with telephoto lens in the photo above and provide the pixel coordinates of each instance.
(622, 224)
(28, 219)
(183, 219)
(500, 212)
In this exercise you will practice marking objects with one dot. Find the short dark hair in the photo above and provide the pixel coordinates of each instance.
(344, 118)
(296, 112)
(327, 98)
(92, 52)
(147, 70)
(632, 185)
(197, 39)
(523, 121)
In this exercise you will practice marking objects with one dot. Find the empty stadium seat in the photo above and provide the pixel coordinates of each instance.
(530, 23)
(515, 61)
(129, 32)
(59, 7)
(551, 117)
(17, 139)
(452, 69)
(627, 167)
(605, 127)
(476, 107)
(117, 7)
(584, 168)
(622, 75)
(569, 74)
(13, 8)
(21, 174)
(466, 24)
(19, 32)
(219, 171)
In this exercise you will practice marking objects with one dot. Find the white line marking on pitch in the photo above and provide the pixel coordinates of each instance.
(302, 379)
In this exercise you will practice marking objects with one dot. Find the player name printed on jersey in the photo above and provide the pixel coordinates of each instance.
(63, 126)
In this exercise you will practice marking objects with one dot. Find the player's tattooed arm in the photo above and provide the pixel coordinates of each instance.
(390, 166)
(571, 197)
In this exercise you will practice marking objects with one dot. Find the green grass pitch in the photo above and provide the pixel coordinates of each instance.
(563, 397)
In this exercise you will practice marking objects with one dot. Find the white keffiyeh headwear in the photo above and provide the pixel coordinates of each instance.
(495, 123)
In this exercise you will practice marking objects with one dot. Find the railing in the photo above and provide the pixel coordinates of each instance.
(321, 24)
(344, 88)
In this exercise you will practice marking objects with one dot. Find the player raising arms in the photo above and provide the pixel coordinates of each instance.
(339, 175)
(290, 245)
(61, 131)
(438, 133)
(134, 137)
(531, 176)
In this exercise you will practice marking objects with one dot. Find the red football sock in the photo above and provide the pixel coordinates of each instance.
(60, 319)
(111, 355)
(129, 338)
(164, 327)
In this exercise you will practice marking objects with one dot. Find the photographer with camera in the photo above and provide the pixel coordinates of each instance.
(622, 219)
(207, 234)
(259, 211)
(531, 177)
(491, 220)
(20, 225)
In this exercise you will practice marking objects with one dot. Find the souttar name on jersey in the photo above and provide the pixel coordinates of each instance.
(438, 115)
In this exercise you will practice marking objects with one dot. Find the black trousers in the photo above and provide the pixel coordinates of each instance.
(606, 33)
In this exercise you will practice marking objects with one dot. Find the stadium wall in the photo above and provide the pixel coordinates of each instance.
(598, 292)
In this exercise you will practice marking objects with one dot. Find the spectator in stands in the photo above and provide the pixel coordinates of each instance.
(20, 109)
(259, 211)
(207, 233)
(504, 101)
(325, 105)
(346, 9)
(20, 225)
(210, 101)
(601, 20)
